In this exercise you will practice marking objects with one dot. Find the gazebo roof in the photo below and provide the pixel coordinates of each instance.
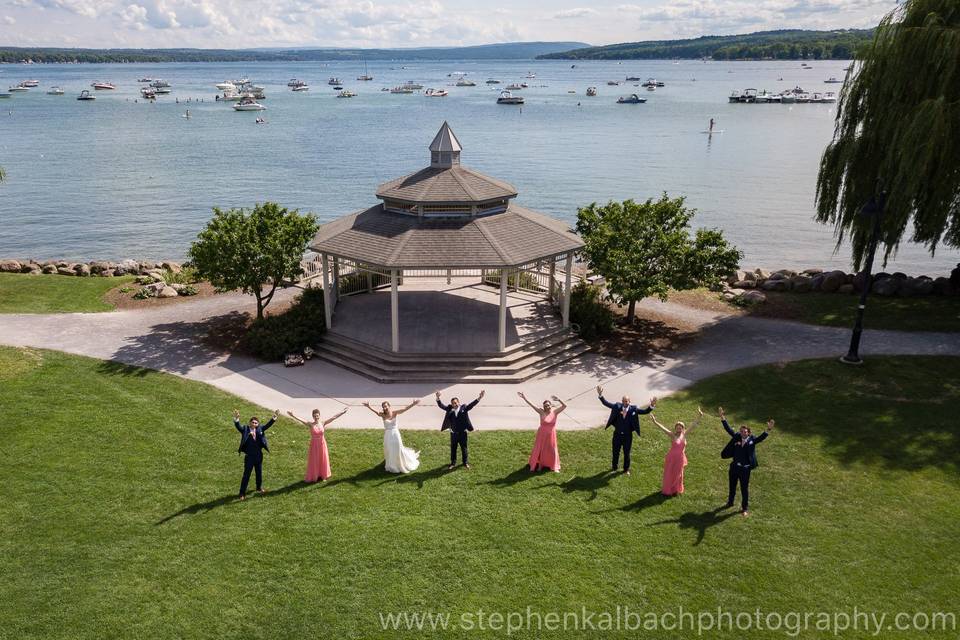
(510, 238)
(446, 185)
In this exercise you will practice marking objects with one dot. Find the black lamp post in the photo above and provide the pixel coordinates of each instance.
(874, 210)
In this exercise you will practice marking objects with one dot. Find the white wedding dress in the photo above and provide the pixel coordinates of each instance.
(397, 458)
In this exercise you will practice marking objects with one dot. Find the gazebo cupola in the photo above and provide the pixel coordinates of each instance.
(446, 189)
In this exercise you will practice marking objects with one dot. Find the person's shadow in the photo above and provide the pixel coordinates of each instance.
(209, 505)
(652, 500)
(592, 484)
(419, 477)
(515, 477)
(699, 521)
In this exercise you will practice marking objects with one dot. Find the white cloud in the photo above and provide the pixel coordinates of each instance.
(9, 20)
(578, 12)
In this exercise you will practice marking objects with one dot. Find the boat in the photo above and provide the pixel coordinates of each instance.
(248, 104)
(633, 79)
(652, 82)
(410, 84)
(30, 84)
(492, 81)
(829, 96)
(149, 93)
(508, 98)
(591, 91)
(612, 83)
(833, 80)
(366, 74)
(631, 99)
(159, 84)
(346, 93)
(338, 88)
(735, 96)
(226, 85)
(86, 95)
(103, 86)
(651, 87)
(55, 91)
(463, 82)
(531, 75)
(145, 79)
(435, 93)
(292, 83)
(515, 86)
(301, 87)
(229, 96)
(401, 89)
(162, 90)
(334, 81)
(19, 87)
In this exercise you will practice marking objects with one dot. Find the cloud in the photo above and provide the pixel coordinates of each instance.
(578, 12)
(9, 20)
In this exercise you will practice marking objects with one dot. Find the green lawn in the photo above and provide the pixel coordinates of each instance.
(118, 518)
(24, 293)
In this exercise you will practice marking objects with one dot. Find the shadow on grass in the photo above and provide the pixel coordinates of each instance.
(418, 476)
(376, 472)
(518, 476)
(203, 507)
(591, 484)
(699, 522)
(652, 500)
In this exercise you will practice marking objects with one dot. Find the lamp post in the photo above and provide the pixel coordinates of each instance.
(873, 209)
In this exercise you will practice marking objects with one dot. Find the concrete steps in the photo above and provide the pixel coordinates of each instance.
(520, 362)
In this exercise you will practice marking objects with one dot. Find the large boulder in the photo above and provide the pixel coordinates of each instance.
(100, 266)
(106, 273)
(753, 297)
(745, 284)
(911, 287)
(775, 285)
(127, 266)
(801, 284)
(832, 281)
(779, 275)
(66, 271)
(9, 266)
(172, 266)
(761, 274)
(812, 272)
(82, 269)
(886, 286)
(29, 266)
(817, 281)
(167, 292)
(860, 281)
(155, 288)
(49, 268)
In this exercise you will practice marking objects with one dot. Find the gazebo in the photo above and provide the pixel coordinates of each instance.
(442, 224)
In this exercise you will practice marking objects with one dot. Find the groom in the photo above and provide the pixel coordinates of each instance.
(253, 442)
(741, 451)
(457, 419)
(625, 420)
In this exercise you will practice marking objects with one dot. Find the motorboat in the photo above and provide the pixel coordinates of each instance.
(159, 84)
(613, 83)
(30, 84)
(338, 88)
(631, 99)
(591, 91)
(103, 86)
(86, 95)
(19, 87)
(735, 96)
(506, 97)
(492, 81)
(829, 96)
(226, 85)
(301, 87)
(463, 82)
(531, 75)
(748, 96)
(334, 81)
(633, 79)
(55, 91)
(145, 79)
(833, 80)
(410, 84)
(435, 93)
(162, 90)
(229, 96)
(651, 87)
(149, 93)
(652, 82)
(294, 82)
(515, 86)
(346, 93)
(249, 104)
(401, 89)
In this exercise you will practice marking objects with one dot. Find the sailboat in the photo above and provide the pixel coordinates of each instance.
(366, 75)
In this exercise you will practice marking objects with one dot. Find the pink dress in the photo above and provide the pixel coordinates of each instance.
(673, 466)
(318, 460)
(545, 453)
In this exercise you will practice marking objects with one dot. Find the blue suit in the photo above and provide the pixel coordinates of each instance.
(458, 422)
(625, 422)
(253, 442)
(743, 455)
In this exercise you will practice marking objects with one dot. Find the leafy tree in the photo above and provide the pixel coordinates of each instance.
(253, 250)
(897, 134)
(646, 249)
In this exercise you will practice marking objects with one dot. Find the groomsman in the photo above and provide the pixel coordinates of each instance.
(741, 450)
(253, 442)
(625, 420)
(457, 420)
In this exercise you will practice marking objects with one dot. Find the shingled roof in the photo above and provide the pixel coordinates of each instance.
(390, 240)
(446, 185)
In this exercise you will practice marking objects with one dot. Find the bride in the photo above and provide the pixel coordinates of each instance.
(397, 458)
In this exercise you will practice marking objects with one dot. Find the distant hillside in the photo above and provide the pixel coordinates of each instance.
(503, 51)
(779, 45)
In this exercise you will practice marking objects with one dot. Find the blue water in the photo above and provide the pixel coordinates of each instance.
(116, 178)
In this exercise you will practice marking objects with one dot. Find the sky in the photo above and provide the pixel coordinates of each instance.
(240, 24)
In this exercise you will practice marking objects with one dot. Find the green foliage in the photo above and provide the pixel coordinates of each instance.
(51, 293)
(187, 275)
(142, 294)
(589, 312)
(645, 249)
(898, 126)
(188, 290)
(787, 44)
(302, 325)
(251, 250)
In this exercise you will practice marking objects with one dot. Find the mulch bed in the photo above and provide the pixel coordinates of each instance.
(126, 300)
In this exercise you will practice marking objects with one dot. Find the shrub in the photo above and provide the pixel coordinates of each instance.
(188, 290)
(588, 310)
(142, 294)
(300, 326)
(187, 275)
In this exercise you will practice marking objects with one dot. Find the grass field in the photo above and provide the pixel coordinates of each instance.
(118, 517)
(24, 293)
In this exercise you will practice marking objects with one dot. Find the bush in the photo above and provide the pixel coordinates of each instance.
(188, 290)
(300, 326)
(187, 275)
(590, 312)
(142, 294)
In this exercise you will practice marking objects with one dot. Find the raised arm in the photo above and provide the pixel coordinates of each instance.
(303, 422)
(723, 421)
(660, 426)
(650, 407)
(608, 405)
(763, 436)
(326, 422)
(367, 405)
(532, 406)
(236, 421)
(270, 422)
(408, 407)
(696, 421)
(563, 405)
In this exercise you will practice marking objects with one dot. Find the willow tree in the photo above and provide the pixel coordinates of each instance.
(894, 161)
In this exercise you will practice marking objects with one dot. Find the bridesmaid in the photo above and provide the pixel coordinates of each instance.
(676, 458)
(545, 453)
(318, 458)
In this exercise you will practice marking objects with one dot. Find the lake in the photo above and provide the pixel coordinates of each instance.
(118, 178)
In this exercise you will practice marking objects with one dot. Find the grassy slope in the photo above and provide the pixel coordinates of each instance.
(117, 518)
(23, 293)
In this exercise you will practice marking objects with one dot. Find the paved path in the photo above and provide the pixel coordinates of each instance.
(165, 338)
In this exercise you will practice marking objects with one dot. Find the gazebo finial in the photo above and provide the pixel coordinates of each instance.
(445, 148)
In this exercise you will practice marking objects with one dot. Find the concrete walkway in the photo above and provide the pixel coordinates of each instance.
(164, 338)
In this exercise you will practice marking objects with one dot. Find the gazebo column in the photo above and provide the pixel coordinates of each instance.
(565, 309)
(394, 310)
(327, 298)
(552, 282)
(502, 337)
(336, 280)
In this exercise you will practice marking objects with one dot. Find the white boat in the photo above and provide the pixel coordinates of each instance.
(149, 93)
(159, 84)
(249, 104)
(829, 96)
(103, 86)
(366, 74)
(631, 99)
(591, 91)
(334, 81)
(55, 91)
(346, 93)
(162, 90)
(294, 82)
(531, 75)
(514, 86)
(463, 82)
(401, 89)
(651, 87)
(145, 79)
(735, 96)
(229, 96)
(652, 82)
(226, 86)
(19, 87)
(506, 97)
(301, 87)
(435, 93)
(86, 95)
(410, 84)
(30, 84)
